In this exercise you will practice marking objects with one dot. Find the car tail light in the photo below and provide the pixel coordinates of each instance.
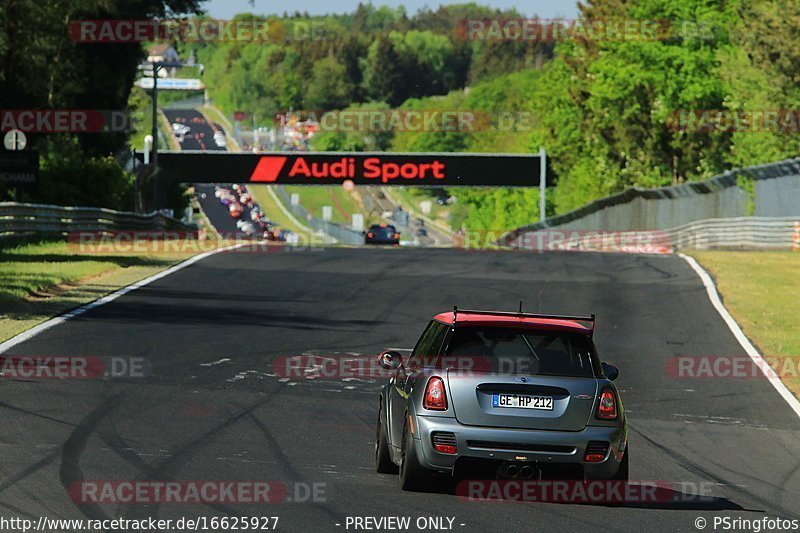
(607, 409)
(369, 234)
(435, 398)
(396, 235)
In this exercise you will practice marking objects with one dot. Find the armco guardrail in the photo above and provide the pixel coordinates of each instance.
(16, 219)
(771, 190)
(340, 233)
(739, 232)
(777, 233)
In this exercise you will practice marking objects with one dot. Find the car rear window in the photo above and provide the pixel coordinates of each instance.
(515, 351)
(388, 231)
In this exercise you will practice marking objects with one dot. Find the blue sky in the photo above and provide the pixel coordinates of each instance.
(225, 9)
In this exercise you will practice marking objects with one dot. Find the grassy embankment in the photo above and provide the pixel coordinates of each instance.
(41, 279)
(342, 202)
(762, 292)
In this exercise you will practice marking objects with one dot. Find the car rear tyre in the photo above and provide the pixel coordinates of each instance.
(622, 473)
(413, 476)
(383, 459)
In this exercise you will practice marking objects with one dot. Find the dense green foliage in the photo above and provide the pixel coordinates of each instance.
(609, 111)
(42, 68)
(609, 119)
(376, 54)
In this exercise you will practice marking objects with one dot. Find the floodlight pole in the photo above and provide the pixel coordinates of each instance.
(542, 182)
(156, 66)
(154, 159)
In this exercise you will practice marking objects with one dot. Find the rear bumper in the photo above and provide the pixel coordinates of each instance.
(527, 439)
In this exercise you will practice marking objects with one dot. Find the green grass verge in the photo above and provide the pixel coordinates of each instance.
(343, 202)
(39, 280)
(760, 289)
(270, 206)
(410, 198)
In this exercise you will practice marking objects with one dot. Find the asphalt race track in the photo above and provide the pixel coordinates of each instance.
(218, 214)
(214, 407)
(201, 135)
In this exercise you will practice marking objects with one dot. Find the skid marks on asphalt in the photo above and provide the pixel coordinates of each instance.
(323, 370)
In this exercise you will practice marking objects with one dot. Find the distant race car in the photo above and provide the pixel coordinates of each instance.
(235, 209)
(522, 396)
(248, 228)
(180, 129)
(382, 234)
(219, 139)
(274, 233)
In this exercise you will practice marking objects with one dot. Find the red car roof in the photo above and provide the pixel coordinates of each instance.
(466, 318)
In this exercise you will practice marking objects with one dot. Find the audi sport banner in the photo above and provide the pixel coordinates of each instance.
(328, 168)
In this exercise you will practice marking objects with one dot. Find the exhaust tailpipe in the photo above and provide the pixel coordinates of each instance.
(512, 470)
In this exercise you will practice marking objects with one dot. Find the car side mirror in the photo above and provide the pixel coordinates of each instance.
(390, 360)
(610, 371)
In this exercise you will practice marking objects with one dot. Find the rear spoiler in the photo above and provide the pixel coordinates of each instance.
(589, 319)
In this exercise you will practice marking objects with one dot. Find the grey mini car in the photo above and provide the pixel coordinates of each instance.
(524, 396)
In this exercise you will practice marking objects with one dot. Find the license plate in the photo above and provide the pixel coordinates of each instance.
(523, 402)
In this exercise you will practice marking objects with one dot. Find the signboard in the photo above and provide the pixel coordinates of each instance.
(172, 84)
(362, 168)
(15, 140)
(19, 167)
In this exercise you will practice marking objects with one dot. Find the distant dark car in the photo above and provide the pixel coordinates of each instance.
(422, 232)
(382, 234)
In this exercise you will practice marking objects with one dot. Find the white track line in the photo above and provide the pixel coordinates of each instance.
(751, 350)
(286, 212)
(28, 334)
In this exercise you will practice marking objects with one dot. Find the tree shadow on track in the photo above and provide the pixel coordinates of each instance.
(135, 312)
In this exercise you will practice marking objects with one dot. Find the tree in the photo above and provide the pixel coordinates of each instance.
(42, 68)
(329, 87)
(384, 78)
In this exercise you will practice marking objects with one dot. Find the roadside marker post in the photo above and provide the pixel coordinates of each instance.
(542, 182)
(796, 238)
